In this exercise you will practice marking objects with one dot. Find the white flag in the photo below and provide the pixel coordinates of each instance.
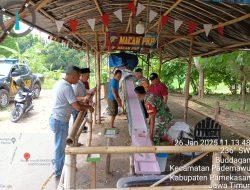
(177, 24)
(140, 8)
(91, 23)
(152, 15)
(207, 28)
(59, 25)
(118, 14)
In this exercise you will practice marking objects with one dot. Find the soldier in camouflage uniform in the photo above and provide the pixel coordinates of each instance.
(159, 117)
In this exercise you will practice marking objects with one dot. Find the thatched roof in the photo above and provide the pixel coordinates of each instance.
(234, 18)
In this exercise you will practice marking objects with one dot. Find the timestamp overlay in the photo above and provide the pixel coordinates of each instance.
(229, 169)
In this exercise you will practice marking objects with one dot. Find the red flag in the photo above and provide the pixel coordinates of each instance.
(220, 29)
(191, 27)
(73, 25)
(105, 19)
(131, 7)
(164, 20)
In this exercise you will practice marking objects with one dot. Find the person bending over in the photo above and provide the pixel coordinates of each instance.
(159, 117)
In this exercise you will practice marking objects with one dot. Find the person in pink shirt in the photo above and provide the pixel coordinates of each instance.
(158, 88)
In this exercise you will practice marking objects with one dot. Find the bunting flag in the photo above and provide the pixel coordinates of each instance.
(105, 19)
(118, 14)
(191, 27)
(131, 7)
(73, 25)
(164, 20)
(220, 29)
(140, 8)
(91, 23)
(207, 28)
(152, 15)
(177, 24)
(17, 23)
(59, 25)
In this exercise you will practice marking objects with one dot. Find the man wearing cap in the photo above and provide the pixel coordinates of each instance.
(64, 100)
(141, 81)
(80, 90)
(158, 88)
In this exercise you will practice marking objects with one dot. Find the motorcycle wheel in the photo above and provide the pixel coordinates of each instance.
(16, 114)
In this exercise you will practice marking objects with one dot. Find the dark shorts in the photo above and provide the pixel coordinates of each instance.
(112, 107)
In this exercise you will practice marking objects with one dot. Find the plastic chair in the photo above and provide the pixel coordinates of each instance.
(207, 129)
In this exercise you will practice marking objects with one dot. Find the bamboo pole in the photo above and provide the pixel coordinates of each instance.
(80, 130)
(153, 149)
(160, 64)
(70, 172)
(108, 158)
(95, 113)
(187, 83)
(179, 169)
(131, 164)
(98, 90)
(75, 127)
(87, 57)
(148, 63)
(93, 175)
(215, 172)
(89, 135)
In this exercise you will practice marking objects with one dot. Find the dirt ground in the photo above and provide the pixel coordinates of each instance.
(32, 135)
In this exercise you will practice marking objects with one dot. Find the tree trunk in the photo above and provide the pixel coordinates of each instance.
(201, 78)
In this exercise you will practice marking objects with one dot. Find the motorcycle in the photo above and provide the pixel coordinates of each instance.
(22, 101)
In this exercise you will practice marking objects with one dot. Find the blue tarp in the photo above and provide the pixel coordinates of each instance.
(130, 61)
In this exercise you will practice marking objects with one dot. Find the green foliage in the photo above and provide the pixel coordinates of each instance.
(229, 68)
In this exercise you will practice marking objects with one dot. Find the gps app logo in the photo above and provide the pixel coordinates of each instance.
(3, 11)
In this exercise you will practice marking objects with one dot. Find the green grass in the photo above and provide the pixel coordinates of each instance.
(230, 102)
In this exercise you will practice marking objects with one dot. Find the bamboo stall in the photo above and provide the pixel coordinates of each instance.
(217, 151)
(229, 31)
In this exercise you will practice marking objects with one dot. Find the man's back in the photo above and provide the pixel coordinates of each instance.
(63, 96)
(79, 89)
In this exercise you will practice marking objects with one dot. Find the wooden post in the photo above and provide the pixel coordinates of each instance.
(160, 64)
(98, 89)
(107, 169)
(87, 57)
(148, 63)
(187, 83)
(89, 135)
(95, 113)
(131, 164)
(93, 175)
(217, 110)
(215, 169)
(70, 172)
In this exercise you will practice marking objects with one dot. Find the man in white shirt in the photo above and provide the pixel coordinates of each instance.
(64, 101)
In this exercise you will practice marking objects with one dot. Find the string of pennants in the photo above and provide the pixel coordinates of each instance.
(105, 18)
